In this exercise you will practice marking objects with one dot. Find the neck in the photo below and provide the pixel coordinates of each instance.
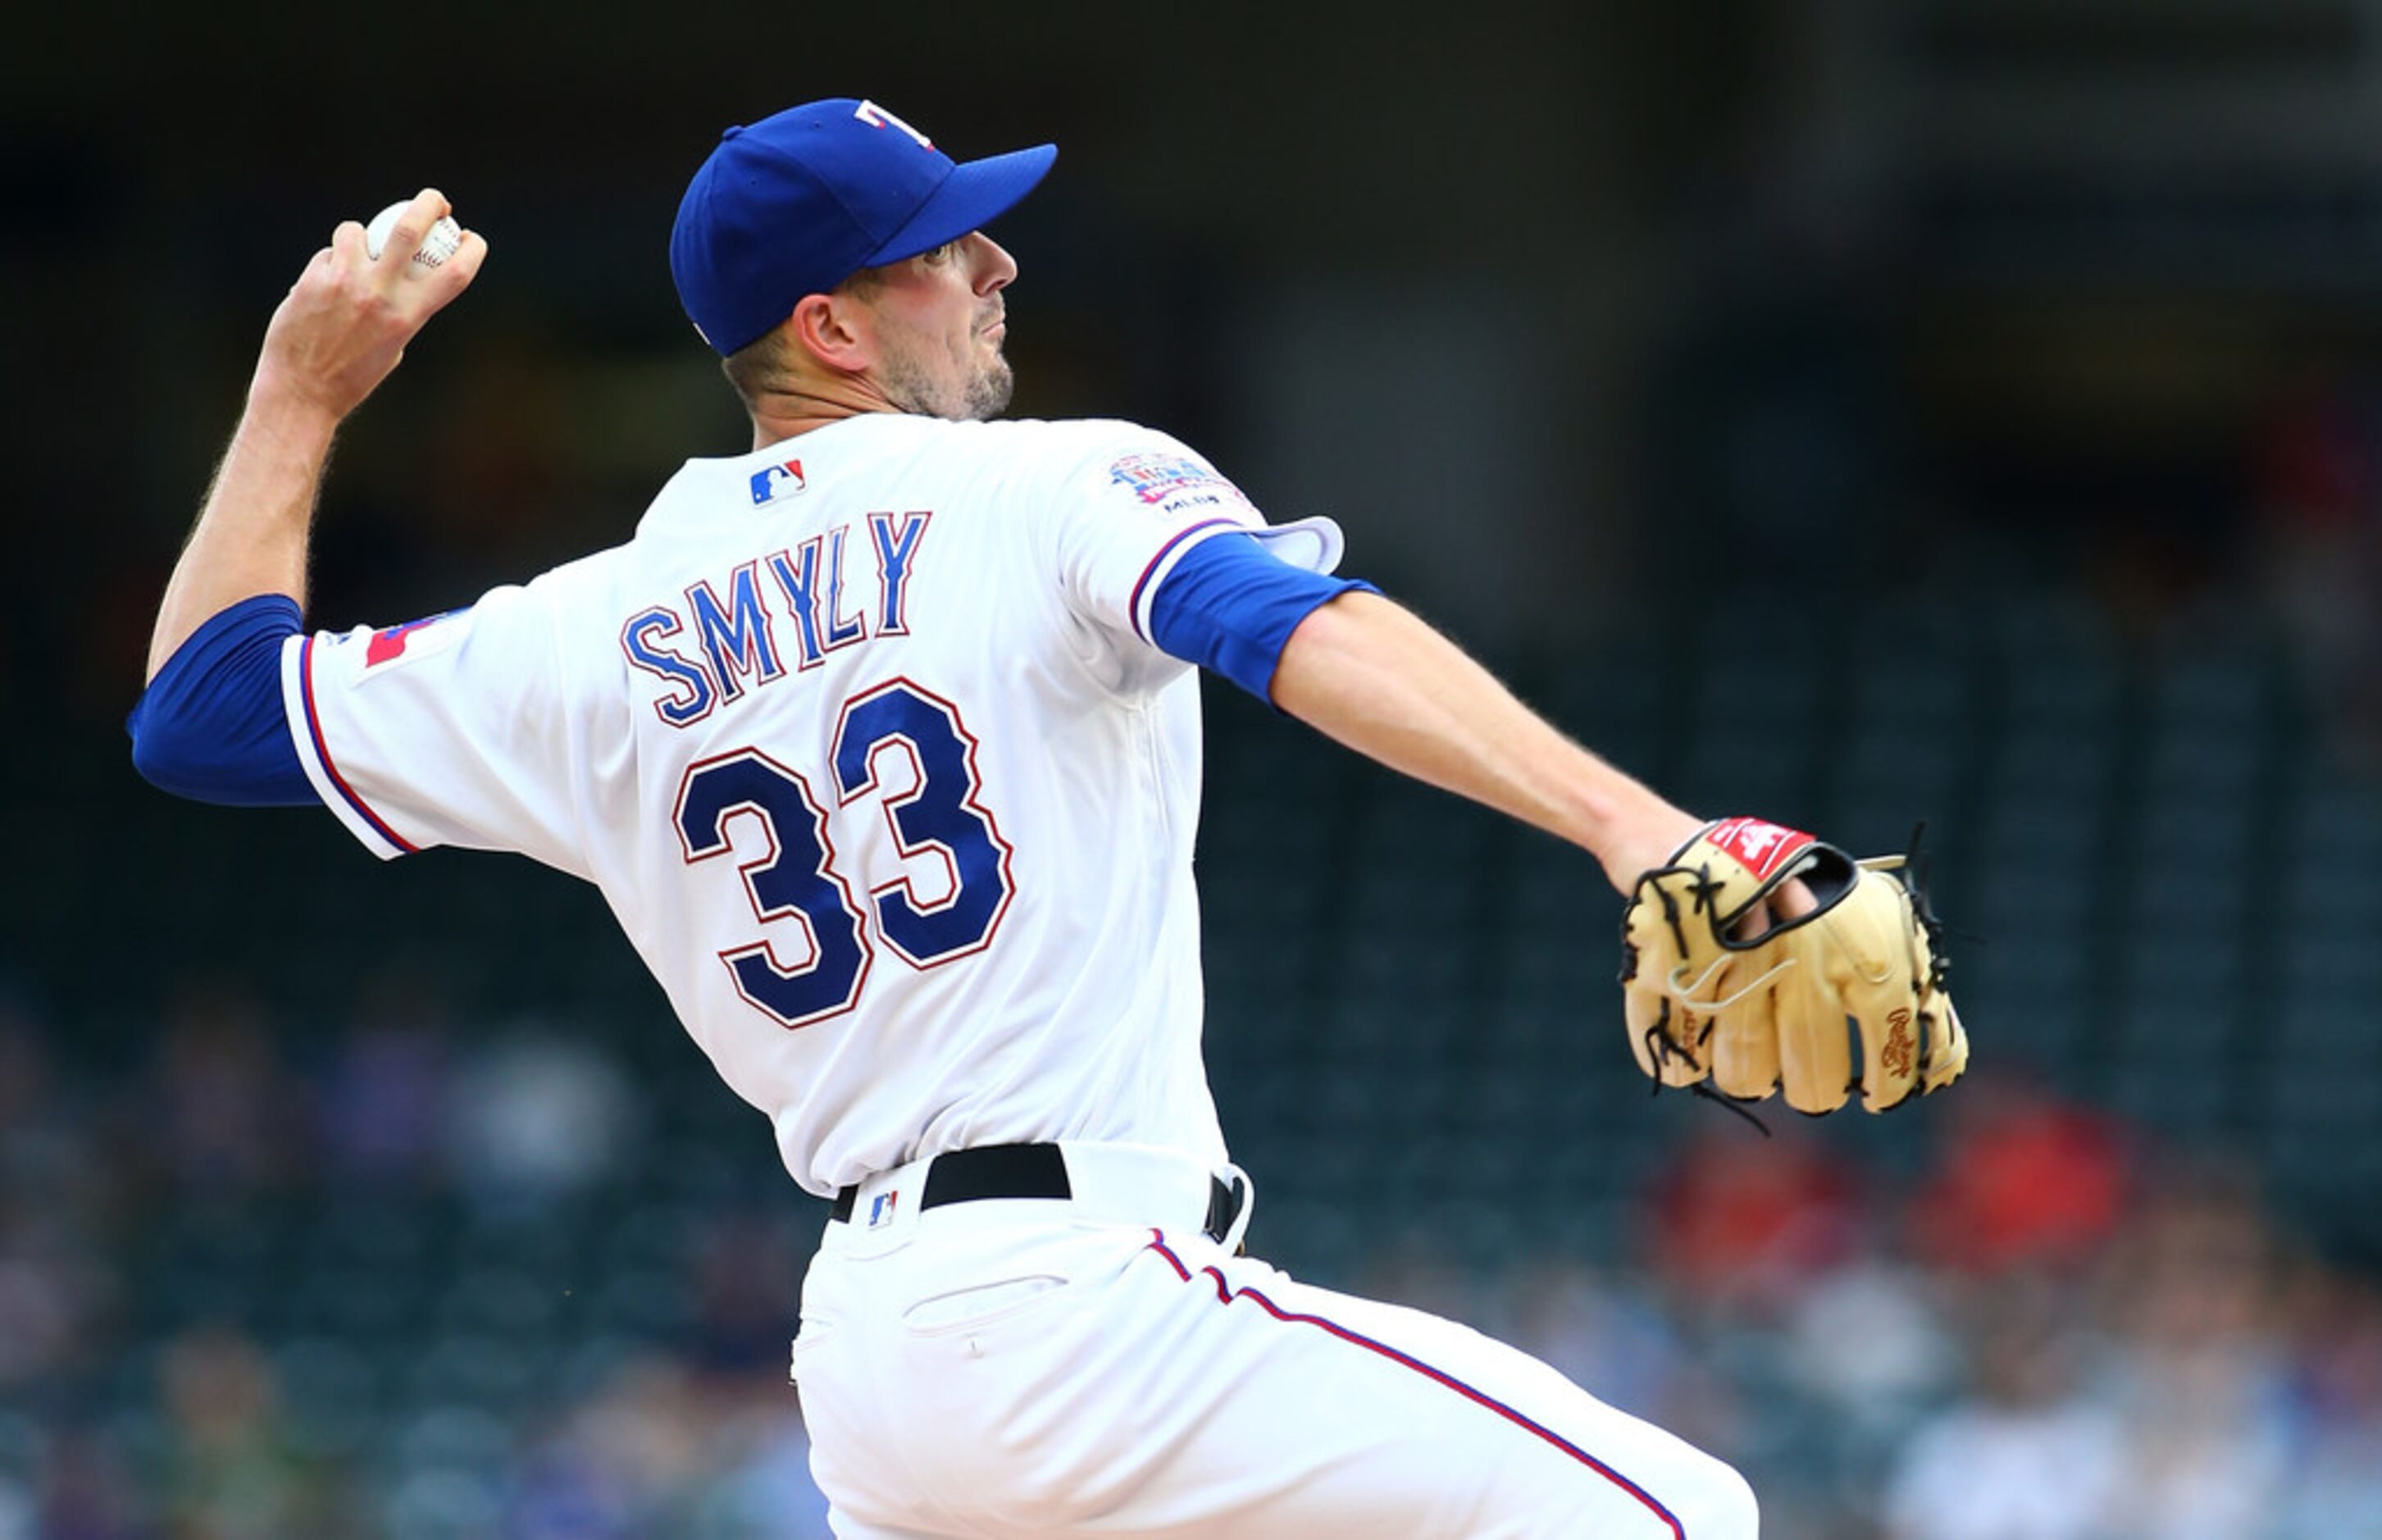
(790, 414)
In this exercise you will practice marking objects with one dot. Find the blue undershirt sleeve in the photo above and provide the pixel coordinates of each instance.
(212, 726)
(1229, 606)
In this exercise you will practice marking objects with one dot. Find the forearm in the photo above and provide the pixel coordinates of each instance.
(252, 535)
(337, 332)
(1367, 672)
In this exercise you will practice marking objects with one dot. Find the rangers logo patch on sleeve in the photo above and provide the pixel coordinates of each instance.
(398, 643)
(1172, 482)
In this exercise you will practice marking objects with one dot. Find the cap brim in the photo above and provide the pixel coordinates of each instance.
(973, 195)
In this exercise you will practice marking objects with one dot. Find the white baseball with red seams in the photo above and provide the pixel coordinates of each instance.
(438, 243)
(869, 750)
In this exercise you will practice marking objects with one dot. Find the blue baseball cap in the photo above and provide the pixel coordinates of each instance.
(799, 202)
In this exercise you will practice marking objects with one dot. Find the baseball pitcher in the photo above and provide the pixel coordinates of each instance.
(882, 742)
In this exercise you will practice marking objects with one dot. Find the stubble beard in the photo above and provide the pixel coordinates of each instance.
(982, 395)
(988, 389)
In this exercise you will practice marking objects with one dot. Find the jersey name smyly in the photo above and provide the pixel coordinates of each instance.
(723, 635)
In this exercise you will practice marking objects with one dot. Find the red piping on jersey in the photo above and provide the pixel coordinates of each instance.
(322, 752)
(1133, 604)
(1225, 1295)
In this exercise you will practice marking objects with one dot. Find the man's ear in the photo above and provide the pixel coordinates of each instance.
(834, 329)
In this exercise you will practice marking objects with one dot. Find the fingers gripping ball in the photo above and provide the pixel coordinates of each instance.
(442, 242)
(1847, 997)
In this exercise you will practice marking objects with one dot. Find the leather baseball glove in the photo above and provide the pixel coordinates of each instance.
(1848, 997)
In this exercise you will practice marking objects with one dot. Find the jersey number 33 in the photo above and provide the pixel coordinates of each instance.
(795, 878)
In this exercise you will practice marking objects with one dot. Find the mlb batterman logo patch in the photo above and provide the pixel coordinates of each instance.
(772, 482)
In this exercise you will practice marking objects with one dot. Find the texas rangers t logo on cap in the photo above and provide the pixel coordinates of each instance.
(878, 118)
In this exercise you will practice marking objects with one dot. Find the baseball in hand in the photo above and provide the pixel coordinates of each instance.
(437, 247)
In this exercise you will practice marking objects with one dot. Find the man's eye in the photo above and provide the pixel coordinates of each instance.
(942, 252)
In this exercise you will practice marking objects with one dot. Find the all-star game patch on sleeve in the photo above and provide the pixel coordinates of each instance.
(449, 730)
(1132, 506)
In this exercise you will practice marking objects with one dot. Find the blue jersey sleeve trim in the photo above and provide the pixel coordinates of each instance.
(1230, 604)
(212, 725)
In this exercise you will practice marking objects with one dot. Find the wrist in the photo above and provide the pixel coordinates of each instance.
(276, 405)
(1631, 834)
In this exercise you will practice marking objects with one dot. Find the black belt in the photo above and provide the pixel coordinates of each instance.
(1025, 1171)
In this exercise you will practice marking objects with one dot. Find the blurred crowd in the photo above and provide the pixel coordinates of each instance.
(2315, 487)
(162, 1374)
(2046, 1329)
(2055, 1331)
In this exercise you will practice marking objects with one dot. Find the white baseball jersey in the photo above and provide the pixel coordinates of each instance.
(864, 738)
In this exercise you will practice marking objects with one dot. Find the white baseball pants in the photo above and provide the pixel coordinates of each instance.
(1010, 1368)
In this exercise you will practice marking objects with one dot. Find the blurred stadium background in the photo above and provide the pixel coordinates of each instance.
(1848, 410)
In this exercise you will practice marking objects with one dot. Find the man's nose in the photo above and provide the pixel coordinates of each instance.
(995, 266)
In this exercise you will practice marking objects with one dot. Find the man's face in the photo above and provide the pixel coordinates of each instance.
(939, 330)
